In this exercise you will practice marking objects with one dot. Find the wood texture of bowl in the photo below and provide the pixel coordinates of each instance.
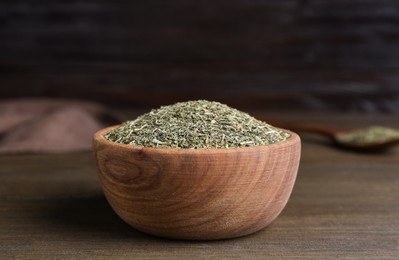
(201, 194)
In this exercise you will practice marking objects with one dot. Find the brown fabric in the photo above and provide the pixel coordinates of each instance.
(42, 125)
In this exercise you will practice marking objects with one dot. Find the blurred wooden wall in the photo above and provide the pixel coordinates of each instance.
(291, 54)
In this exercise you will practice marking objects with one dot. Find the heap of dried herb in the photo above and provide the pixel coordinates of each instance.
(196, 124)
(369, 136)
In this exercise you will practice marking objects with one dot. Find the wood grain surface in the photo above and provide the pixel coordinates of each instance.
(344, 204)
(302, 54)
(202, 194)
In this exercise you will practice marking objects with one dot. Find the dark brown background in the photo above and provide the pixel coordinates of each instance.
(324, 55)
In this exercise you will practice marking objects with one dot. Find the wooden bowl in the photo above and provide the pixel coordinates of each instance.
(197, 194)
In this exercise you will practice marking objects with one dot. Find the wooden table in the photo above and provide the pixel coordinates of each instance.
(344, 204)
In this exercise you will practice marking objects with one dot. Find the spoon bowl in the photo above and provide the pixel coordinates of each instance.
(197, 194)
(374, 138)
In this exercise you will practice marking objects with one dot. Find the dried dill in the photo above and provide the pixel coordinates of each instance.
(196, 124)
(369, 136)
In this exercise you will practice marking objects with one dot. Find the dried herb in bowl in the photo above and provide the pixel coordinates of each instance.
(196, 124)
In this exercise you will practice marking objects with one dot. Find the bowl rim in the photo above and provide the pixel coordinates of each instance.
(99, 138)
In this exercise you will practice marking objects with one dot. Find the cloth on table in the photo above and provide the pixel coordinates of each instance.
(51, 126)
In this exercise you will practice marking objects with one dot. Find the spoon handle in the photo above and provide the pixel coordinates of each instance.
(311, 128)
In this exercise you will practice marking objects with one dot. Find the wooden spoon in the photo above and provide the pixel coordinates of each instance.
(374, 138)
